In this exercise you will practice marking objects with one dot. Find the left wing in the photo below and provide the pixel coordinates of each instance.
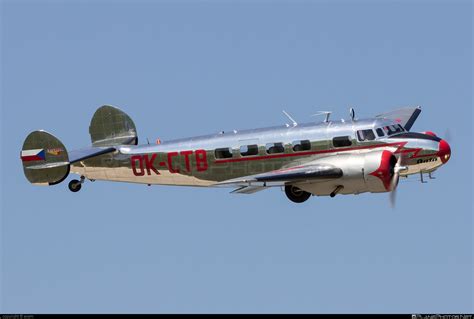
(309, 172)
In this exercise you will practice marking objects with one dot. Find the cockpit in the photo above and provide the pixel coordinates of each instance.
(393, 129)
(380, 132)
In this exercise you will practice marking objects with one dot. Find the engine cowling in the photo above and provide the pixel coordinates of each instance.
(379, 180)
(430, 133)
(370, 172)
(362, 172)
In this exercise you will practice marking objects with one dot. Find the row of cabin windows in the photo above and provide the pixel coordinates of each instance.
(305, 145)
(276, 148)
(270, 148)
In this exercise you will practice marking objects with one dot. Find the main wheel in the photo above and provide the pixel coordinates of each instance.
(295, 194)
(74, 185)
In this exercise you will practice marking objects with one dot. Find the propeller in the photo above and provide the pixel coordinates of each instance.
(395, 178)
(447, 136)
(400, 168)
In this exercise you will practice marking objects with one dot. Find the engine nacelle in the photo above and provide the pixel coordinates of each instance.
(379, 169)
(362, 172)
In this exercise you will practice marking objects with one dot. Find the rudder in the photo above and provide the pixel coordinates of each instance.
(111, 126)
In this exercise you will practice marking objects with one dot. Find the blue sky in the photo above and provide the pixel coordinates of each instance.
(187, 68)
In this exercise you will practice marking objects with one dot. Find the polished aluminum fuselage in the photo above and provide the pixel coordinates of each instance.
(192, 161)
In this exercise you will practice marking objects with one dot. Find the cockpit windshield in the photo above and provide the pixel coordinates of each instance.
(393, 129)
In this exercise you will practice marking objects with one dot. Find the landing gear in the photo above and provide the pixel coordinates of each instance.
(336, 190)
(75, 185)
(421, 178)
(295, 194)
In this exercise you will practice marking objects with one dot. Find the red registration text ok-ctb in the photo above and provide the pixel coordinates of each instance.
(146, 164)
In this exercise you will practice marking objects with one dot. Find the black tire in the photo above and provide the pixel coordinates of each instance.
(295, 194)
(74, 185)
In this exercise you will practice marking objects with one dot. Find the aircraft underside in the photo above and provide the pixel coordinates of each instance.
(354, 181)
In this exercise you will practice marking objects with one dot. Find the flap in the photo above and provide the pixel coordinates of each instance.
(248, 189)
(281, 177)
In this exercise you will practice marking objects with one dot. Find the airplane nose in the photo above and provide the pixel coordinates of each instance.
(444, 151)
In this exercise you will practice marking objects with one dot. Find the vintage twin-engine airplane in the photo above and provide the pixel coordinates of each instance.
(325, 158)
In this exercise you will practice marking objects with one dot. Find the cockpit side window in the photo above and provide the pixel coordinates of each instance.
(392, 129)
(380, 132)
(389, 129)
(400, 128)
(365, 135)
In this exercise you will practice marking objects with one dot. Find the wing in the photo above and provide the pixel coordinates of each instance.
(406, 116)
(303, 173)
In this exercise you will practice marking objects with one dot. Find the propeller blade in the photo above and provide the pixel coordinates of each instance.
(394, 180)
(448, 136)
(393, 198)
(393, 189)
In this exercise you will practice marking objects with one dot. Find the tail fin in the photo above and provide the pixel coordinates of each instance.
(45, 159)
(111, 126)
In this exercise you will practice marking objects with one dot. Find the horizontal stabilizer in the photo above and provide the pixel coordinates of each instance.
(48, 165)
(47, 162)
(85, 153)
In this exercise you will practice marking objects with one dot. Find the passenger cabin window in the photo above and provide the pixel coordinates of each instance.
(380, 132)
(248, 150)
(273, 148)
(223, 153)
(365, 135)
(304, 145)
(341, 141)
